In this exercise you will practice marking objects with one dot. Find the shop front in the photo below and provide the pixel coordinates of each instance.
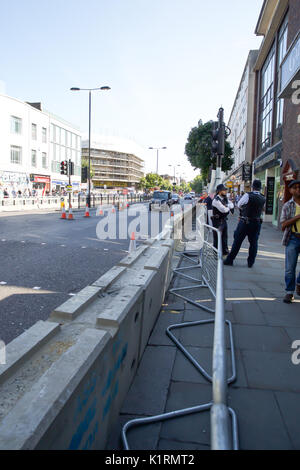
(267, 170)
(12, 182)
(41, 184)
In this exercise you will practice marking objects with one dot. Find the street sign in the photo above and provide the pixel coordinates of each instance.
(69, 188)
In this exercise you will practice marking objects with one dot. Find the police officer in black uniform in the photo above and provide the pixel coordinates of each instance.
(221, 207)
(251, 207)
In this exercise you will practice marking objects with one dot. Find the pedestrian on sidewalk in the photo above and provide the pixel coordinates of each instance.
(290, 224)
(209, 208)
(221, 207)
(251, 206)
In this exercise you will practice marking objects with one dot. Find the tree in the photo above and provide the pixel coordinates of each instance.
(85, 163)
(150, 181)
(198, 150)
(197, 184)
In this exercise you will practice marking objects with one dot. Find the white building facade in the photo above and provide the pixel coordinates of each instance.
(116, 162)
(33, 142)
(241, 125)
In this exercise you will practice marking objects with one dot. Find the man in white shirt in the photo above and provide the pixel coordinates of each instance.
(221, 207)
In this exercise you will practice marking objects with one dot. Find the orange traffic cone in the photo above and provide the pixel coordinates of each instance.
(87, 213)
(70, 216)
(132, 244)
(113, 210)
(100, 211)
(63, 212)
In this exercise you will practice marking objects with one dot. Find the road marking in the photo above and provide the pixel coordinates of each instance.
(3, 240)
(62, 245)
(36, 288)
(43, 243)
(72, 294)
(3, 283)
(22, 241)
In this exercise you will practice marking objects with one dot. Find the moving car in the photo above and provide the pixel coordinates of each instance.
(161, 200)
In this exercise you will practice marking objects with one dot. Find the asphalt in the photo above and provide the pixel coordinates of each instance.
(44, 260)
(265, 395)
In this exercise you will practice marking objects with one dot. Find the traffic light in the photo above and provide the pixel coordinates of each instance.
(64, 167)
(71, 168)
(214, 137)
(84, 174)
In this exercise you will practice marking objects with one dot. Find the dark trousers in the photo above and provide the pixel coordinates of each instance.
(224, 229)
(243, 230)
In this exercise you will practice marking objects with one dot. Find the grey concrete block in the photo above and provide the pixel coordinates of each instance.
(75, 305)
(271, 371)
(278, 313)
(156, 258)
(110, 277)
(30, 419)
(148, 392)
(21, 348)
(133, 257)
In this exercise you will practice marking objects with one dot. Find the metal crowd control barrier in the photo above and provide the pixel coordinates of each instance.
(224, 434)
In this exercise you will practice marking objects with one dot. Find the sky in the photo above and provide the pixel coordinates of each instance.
(169, 63)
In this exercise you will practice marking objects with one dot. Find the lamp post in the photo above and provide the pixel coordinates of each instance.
(103, 88)
(174, 166)
(157, 150)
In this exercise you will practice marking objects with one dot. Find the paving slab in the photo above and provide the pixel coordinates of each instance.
(260, 424)
(184, 371)
(289, 404)
(261, 338)
(248, 313)
(271, 371)
(192, 428)
(165, 444)
(147, 394)
(159, 336)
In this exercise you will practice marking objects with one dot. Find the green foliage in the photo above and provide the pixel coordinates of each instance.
(198, 150)
(197, 184)
(85, 163)
(150, 181)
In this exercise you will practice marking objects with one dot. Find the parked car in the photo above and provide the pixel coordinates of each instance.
(161, 200)
(175, 198)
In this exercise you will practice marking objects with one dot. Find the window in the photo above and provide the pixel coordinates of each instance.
(33, 158)
(44, 135)
(34, 131)
(282, 48)
(267, 101)
(15, 125)
(16, 154)
(44, 160)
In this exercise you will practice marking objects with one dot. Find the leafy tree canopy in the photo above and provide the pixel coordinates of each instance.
(197, 184)
(198, 150)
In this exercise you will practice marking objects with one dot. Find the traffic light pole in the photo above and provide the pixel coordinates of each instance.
(221, 147)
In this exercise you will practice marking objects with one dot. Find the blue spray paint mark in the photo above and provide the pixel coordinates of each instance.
(90, 440)
(83, 427)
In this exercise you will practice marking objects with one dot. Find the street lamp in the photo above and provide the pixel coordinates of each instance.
(174, 166)
(157, 150)
(102, 88)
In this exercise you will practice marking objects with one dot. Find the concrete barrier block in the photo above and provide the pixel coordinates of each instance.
(75, 305)
(25, 345)
(157, 256)
(133, 257)
(40, 418)
(110, 277)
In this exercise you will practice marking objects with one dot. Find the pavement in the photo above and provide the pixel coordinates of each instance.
(265, 395)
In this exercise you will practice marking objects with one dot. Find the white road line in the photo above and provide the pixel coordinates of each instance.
(36, 288)
(3, 283)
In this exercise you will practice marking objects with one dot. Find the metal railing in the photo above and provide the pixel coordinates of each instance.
(224, 429)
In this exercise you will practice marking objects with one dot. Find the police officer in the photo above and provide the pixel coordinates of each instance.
(251, 206)
(221, 207)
